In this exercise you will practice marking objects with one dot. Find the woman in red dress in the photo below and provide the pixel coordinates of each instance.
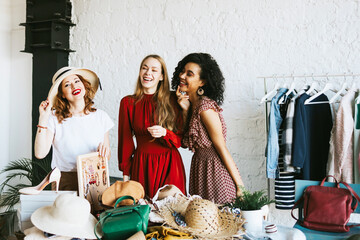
(153, 116)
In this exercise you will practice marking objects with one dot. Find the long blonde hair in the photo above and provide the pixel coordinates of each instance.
(164, 112)
(62, 106)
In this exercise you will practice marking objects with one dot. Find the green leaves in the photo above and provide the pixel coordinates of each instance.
(250, 201)
(24, 168)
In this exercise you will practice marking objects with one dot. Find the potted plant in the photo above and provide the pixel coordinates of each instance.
(25, 168)
(251, 205)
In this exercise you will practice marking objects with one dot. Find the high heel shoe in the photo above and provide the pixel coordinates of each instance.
(53, 176)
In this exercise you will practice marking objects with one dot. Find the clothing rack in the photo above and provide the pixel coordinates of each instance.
(304, 77)
(312, 75)
(291, 78)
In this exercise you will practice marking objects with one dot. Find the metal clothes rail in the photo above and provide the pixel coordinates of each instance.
(291, 78)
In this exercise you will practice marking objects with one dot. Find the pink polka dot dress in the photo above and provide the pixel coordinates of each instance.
(209, 177)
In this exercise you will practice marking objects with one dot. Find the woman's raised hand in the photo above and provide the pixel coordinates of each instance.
(44, 107)
(44, 113)
(183, 99)
(157, 131)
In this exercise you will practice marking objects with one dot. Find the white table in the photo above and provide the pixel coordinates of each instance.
(283, 233)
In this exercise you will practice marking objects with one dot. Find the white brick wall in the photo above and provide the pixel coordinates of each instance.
(247, 38)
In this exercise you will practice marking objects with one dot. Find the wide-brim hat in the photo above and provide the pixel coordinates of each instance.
(203, 218)
(119, 189)
(69, 216)
(64, 72)
(166, 191)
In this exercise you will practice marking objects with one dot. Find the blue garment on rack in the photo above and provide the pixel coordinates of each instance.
(312, 127)
(272, 148)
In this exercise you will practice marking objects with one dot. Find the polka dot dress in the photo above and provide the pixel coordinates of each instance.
(209, 177)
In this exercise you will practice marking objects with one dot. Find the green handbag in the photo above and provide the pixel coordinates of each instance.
(123, 222)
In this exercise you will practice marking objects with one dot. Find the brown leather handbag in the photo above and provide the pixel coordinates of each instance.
(327, 208)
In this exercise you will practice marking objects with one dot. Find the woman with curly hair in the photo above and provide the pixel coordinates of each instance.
(200, 90)
(151, 114)
(75, 126)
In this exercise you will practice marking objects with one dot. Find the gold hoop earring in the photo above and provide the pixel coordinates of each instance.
(200, 91)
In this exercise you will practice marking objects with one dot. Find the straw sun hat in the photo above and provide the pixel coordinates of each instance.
(64, 72)
(203, 218)
(119, 189)
(69, 216)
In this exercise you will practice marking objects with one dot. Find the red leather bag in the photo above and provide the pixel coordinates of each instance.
(327, 208)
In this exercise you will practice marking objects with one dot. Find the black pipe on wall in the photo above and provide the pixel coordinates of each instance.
(47, 31)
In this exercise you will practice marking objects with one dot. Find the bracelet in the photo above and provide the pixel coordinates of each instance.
(41, 127)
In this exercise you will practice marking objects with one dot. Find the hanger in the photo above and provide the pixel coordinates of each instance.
(312, 88)
(354, 84)
(305, 88)
(343, 88)
(357, 89)
(274, 90)
(327, 87)
(286, 95)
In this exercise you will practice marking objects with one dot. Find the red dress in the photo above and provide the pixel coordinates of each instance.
(153, 163)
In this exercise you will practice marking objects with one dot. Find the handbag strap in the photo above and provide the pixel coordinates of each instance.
(296, 204)
(123, 198)
(323, 181)
(356, 197)
(101, 219)
(353, 193)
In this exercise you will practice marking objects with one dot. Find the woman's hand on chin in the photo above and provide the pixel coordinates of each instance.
(183, 99)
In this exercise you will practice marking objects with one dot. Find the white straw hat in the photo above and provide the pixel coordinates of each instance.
(64, 72)
(69, 216)
(203, 218)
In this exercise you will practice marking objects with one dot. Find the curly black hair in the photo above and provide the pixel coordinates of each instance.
(210, 72)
